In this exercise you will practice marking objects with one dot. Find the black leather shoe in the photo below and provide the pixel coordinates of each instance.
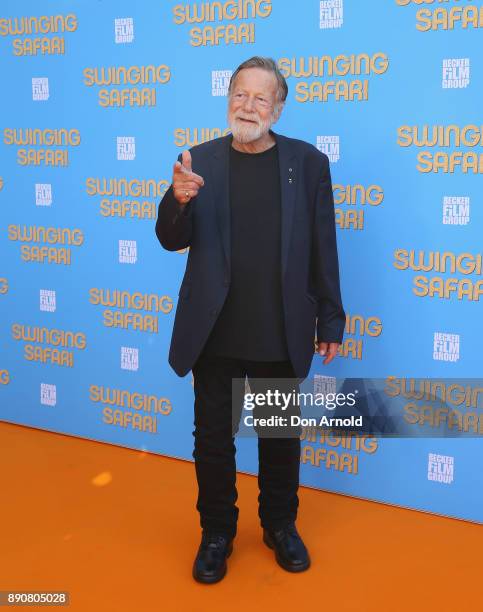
(289, 548)
(210, 562)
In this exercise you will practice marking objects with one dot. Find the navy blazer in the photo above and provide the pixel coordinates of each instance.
(310, 270)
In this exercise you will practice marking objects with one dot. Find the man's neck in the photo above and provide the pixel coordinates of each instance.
(256, 146)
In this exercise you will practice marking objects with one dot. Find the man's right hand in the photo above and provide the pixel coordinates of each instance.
(186, 183)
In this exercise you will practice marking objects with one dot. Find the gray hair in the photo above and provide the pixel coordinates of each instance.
(266, 63)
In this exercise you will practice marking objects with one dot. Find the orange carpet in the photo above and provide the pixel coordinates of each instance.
(118, 530)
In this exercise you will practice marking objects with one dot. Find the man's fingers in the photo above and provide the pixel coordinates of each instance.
(188, 170)
(183, 194)
(186, 185)
(183, 190)
(185, 180)
(180, 170)
(186, 157)
(331, 353)
(197, 179)
(185, 176)
(329, 350)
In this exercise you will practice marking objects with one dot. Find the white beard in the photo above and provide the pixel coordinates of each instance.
(248, 132)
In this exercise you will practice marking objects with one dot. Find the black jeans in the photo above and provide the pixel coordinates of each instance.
(214, 448)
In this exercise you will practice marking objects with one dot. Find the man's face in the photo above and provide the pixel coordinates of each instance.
(252, 104)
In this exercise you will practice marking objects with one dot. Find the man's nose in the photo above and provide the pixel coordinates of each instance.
(249, 103)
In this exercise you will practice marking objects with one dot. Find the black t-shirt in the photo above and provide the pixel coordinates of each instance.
(251, 323)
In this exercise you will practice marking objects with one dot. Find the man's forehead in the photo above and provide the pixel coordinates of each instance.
(257, 78)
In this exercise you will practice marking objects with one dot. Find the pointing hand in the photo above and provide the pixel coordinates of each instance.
(186, 183)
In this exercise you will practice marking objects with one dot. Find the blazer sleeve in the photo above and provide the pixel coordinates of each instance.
(174, 224)
(331, 315)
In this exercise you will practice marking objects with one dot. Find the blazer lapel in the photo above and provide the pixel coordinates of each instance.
(220, 172)
(288, 164)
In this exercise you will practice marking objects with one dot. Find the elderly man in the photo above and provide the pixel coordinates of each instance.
(261, 281)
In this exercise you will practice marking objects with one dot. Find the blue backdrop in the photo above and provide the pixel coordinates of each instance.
(99, 98)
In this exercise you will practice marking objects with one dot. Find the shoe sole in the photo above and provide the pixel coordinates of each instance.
(289, 568)
(214, 579)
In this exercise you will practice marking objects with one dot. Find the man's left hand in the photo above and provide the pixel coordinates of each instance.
(329, 349)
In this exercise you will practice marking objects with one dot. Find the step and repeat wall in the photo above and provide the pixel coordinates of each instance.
(98, 100)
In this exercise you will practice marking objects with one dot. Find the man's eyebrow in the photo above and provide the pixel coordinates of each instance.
(260, 93)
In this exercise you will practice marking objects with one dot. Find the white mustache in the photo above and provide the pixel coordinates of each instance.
(252, 118)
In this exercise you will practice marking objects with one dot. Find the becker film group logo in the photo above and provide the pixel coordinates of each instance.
(47, 300)
(456, 210)
(43, 194)
(446, 347)
(48, 394)
(123, 30)
(129, 358)
(220, 81)
(331, 14)
(456, 73)
(128, 251)
(330, 145)
(40, 89)
(440, 468)
(126, 148)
